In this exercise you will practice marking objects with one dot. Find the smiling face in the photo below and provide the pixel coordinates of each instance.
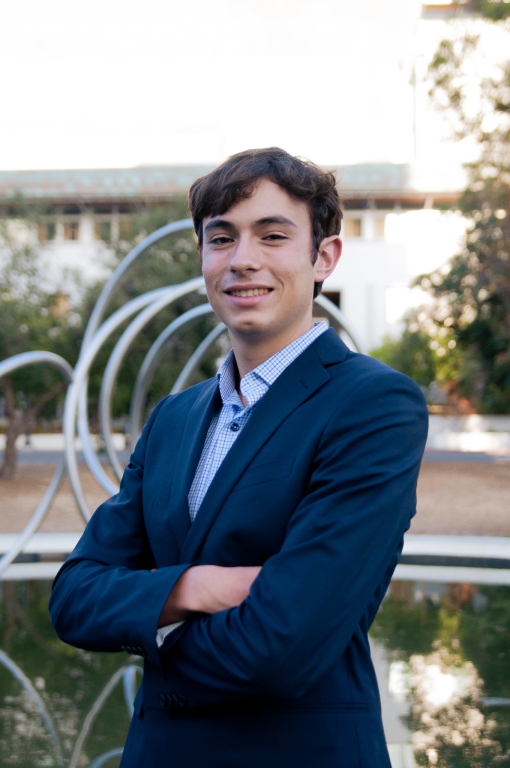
(257, 265)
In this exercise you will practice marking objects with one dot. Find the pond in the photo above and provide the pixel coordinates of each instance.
(441, 653)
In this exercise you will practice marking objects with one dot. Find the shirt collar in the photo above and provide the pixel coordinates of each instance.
(266, 373)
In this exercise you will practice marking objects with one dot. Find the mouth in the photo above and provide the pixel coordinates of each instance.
(248, 292)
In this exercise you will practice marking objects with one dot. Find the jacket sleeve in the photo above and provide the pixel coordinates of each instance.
(341, 545)
(105, 597)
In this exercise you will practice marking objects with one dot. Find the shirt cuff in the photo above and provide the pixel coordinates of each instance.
(163, 632)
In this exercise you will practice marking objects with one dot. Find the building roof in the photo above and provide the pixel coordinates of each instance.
(377, 180)
(99, 183)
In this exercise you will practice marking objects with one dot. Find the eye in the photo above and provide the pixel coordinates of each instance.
(220, 240)
(275, 236)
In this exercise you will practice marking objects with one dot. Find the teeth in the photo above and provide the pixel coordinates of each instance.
(250, 292)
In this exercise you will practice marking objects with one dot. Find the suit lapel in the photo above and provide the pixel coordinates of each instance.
(295, 385)
(195, 432)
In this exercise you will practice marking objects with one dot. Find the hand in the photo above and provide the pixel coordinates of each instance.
(207, 589)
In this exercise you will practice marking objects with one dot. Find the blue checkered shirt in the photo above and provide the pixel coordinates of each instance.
(226, 425)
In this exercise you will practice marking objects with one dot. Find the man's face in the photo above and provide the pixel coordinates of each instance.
(257, 265)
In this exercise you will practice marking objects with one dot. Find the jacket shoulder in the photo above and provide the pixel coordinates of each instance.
(186, 398)
(364, 368)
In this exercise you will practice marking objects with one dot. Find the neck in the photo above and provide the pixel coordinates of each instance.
(252, 351)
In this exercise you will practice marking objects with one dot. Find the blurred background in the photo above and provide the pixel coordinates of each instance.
(109, 111)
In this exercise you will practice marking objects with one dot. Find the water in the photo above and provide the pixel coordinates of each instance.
(441, 652)
(447, 665)
(67, 680)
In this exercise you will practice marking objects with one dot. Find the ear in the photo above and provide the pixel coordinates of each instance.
(330, 251)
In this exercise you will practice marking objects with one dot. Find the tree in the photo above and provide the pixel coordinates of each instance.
(473, 295)
(468, 323)
(34, 314)
(495, 10)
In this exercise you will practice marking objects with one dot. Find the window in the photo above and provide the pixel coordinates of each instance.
(47, 231)
(380, 224)
(352, 227)
(125, 229)
(103, 230)
(71, 230)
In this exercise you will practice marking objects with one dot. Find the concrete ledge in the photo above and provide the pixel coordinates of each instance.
(42, 543)
(31, 571)
(449, 574)
(457, 546)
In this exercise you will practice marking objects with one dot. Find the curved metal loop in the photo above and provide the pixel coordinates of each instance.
(36, 519)
(129, 686)
(117, 356)
(196, 358)
(9, 366)
(73, 394)
(152, 360)
(158, 299)
(339, 319)
(20, 676)
(16, 362)
(89, 453)
(92, 714)
(98, 762)
(100, 307)
(95, 319)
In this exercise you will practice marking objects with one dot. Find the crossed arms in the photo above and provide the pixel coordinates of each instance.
(275, 630)
(207, 589)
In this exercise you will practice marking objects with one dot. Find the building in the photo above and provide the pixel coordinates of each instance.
(86, 210)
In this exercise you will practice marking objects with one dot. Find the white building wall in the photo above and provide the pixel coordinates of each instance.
(375, 273)
(366, 270)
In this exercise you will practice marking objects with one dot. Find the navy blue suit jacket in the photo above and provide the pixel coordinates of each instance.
(318, 488)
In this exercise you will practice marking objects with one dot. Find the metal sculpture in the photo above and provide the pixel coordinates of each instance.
(142, 310)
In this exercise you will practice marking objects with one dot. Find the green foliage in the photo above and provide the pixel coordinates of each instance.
(410, 354)
(494, 10)
(403, 628)
(34, 312)
(464, 635)
(484, 636)
(471, 307)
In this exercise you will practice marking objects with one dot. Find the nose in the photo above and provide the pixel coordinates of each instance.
(244, 256)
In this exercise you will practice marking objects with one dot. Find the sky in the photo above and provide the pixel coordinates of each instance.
(118, 84)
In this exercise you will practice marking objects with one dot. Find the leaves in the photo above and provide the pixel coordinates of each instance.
(468, 323)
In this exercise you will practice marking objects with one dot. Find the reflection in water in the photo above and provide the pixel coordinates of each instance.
(448, 647)
(76, 689)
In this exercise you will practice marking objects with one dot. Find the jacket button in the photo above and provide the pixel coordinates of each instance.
(181, 698)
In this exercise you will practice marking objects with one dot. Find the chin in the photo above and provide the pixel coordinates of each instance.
(249, 330)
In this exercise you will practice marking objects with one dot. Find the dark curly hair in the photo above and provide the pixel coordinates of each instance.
(236, 179)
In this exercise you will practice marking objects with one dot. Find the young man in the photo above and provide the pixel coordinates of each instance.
(262, 513)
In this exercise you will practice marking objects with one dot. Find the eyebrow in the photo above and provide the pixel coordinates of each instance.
(219, 224)
(275, 220)
(225, 224)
